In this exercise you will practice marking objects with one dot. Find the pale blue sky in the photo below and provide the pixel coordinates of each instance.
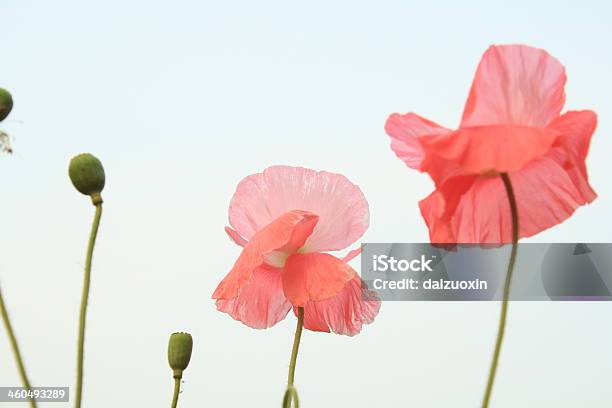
(182, 99)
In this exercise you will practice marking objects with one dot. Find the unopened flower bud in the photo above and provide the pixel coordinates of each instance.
(6, 103)
(179, 352)
(87, 176)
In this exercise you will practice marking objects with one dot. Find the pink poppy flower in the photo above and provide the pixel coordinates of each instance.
(287, 218)
(511, 124)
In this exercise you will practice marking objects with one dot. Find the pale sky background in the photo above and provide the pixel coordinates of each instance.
(181, 100)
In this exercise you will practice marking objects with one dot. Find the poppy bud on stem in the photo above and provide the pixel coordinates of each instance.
(179, 354)
(6, 103)
(87, 176)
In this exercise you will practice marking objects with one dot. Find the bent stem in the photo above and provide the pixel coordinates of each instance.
(16, 351)
(291, 393)
(177, 391)
(506, 295)
(85, 296)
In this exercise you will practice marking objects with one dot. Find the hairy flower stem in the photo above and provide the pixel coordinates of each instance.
(15, 347)
(291, 393)
(177, 391)
(506, 295)
(85, 296)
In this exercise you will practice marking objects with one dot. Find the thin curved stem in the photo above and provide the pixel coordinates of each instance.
(85, 296)
(506, 295)
(291, 395)
(296, 346)
(177, 391)
(15, 347)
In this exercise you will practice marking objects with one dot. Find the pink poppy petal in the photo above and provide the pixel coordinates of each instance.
(515, 84)
(341, 206)
(405, 132)
(260, 303)
(546, 194)
(286, 233)
(576, 128)
(314, 276)
(344, 313)
(476, 209)
(408, 134)
(501, 148)
(438, 210)
(234, 236)
(352, 254)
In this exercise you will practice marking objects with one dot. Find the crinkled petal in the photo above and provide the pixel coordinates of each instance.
(476, 209)
(353, 253)
(341, 206)
(285, 234)
(344, 313)
(547, 195)
(515, 84)
(405, 132)
(234, 236)
(439, 211)
(408, 134)
(576, 128)
(501, 148)
(261, 302)
(314, 276)
(572, 147)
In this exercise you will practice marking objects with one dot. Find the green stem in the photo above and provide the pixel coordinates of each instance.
(506, 295)
(85, 296)
(15, 347)
(291, 395)
(296, 346)
(177, 390)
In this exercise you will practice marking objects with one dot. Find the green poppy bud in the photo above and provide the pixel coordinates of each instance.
(179, 352)
(87, 176)
(6, 103)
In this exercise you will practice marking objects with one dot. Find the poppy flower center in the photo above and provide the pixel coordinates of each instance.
(276, 258)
